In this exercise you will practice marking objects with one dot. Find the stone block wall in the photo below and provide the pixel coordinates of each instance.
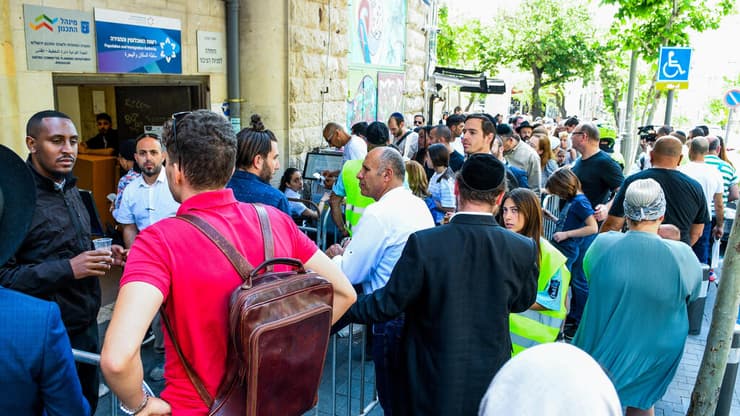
(318, 69)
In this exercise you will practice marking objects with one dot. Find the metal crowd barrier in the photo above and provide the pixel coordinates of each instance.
(336, 373)
(552, 204)
(86, 357)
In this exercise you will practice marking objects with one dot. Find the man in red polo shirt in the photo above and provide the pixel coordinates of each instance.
(173, 263)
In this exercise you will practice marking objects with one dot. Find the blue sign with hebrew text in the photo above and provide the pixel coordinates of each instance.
(132, 42)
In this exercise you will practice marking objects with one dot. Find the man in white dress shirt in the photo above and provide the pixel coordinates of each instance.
(147, 199)
(377, 243)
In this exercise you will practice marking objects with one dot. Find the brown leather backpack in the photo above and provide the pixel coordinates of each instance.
(279, 325)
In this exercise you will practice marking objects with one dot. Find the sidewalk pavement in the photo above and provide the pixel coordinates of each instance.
(676, 400)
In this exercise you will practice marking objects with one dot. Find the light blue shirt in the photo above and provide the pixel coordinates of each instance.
(380, 237)
(143, 204)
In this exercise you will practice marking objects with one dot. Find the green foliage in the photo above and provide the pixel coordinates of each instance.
(646, 25)
(717, 111)
(553, 40)
(465, 46)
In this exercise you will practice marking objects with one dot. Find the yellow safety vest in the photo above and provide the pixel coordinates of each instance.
(354, 200)
(531, 327)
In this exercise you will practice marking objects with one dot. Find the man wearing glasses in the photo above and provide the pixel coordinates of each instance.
(336, 136)
(418, 120)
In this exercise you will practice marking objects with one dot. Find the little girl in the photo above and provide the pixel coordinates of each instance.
(575, 223)
(442, 183)
(576, 219)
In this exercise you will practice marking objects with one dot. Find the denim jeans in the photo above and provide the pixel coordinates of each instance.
(386, 350)
(575, 249)
(702, 245)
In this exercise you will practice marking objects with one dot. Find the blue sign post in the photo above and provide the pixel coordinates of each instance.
(732, 98)
(673, 68)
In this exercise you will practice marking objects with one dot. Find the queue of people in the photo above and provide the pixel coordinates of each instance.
(408, 209)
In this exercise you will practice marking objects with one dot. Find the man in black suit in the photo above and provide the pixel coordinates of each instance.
(456, 308)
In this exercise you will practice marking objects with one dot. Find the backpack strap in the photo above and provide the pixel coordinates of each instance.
(241, 265)
(266, 233)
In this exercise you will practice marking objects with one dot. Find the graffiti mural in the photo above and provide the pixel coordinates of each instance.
(378, 32)
(390, 93)
(363, 105)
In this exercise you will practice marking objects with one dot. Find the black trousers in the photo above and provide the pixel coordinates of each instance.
(87, 340)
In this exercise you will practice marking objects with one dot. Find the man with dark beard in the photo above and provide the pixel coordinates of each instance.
(257, 160)
(147, 199)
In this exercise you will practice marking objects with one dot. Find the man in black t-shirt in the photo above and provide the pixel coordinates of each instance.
(599, 174)
(686, 207)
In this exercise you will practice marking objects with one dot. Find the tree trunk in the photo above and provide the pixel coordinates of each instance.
(560, 101)
(536, 102)
(711, 372)
(471, 100)
(653, 107)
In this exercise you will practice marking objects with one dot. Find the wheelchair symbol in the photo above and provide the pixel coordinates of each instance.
(672, 69)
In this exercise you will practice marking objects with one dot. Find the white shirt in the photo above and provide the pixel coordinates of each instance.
(458, 146)
(380, 236)
(356, 148)
(143, 204)
(708, 177)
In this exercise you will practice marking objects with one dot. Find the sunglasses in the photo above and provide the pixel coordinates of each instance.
(175, 118)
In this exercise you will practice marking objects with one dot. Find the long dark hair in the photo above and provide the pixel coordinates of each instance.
(252, 141)
(528, 205)
(286, 178)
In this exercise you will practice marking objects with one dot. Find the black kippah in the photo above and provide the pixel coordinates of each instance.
(482, 172)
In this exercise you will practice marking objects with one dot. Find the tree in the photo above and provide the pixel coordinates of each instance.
(645, 26)
(717, 111)
(555, 41)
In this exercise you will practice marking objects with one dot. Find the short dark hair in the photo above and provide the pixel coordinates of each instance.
(439, 155)
(571, 122)
(423, 119)
(696, 132)
(104, 116)
(34, 124)
(714, 143)
(143, 136)
(454, 119)
(252, 141)
(360, 129)
(205, 147)
(486, 123)
(286, 178)
(664, 131)
(444, 133)
(397, 116)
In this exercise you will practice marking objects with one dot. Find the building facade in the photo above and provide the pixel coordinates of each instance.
(302, 63)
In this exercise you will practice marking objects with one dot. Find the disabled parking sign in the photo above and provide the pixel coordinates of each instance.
(673, 68)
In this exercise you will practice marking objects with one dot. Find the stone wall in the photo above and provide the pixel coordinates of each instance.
(317, 72)
(318, 69)
(416, 57)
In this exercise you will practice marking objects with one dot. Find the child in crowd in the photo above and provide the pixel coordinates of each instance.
(576, 219)
(418, 183)
(442, 183)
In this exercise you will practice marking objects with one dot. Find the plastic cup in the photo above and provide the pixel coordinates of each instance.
(103, 243)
